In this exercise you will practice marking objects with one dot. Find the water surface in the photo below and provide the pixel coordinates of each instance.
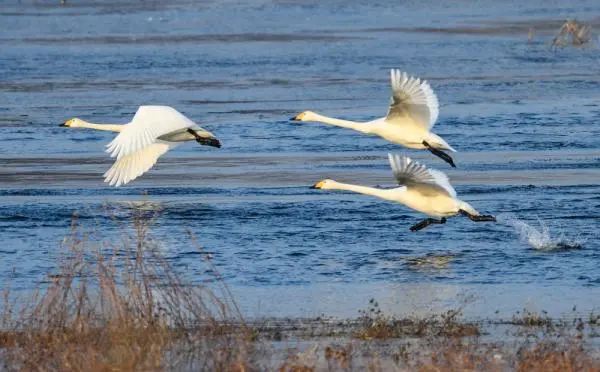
(524, 118)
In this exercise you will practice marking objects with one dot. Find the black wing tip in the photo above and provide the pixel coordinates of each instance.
(209, 142)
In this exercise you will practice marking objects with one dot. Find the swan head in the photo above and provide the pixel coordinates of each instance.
(325, 185)
(73, 123)
(305, 116)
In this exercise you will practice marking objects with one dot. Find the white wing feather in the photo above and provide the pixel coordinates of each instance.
(409, 172)
(442, 179)
(414, 98)
(131, 166)
(148, 124)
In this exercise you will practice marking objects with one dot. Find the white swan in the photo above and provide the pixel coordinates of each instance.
(425, 190)
(412, 113)
(153, 131)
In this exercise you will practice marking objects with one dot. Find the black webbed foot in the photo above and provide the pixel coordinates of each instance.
(426, 222)
(479, 218)
(483, 218)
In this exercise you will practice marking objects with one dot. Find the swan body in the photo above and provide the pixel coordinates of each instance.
(425, 190)
(413, 111)
(152, 132)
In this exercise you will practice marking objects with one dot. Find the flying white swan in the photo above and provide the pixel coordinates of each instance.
(413, 112)
(153, 131)
(425, 190)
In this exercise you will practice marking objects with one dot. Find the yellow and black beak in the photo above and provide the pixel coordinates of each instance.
(63, 125)
(317, 185)
(298, 117)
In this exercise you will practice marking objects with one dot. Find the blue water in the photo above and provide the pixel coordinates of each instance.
(523, 117)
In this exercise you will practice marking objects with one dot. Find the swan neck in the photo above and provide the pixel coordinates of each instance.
(105, 127)
(361, 127)
(362, 189)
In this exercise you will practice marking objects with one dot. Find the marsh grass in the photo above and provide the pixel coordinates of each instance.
(541, 355)
(446, 342)
(121, 307)
(376, 325)
(532, 318)
(445, 355)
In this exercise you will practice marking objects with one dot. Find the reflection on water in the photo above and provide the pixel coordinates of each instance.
(430, 261)
(489, 302)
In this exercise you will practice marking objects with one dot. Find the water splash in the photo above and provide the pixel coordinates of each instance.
(539, 238)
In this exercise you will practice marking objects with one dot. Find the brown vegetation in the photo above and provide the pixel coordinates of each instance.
(120, 308)
(376, 325)
(530, 318)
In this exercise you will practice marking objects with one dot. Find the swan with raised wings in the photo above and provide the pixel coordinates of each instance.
(422, 189)
(152, 132)
(412, 113)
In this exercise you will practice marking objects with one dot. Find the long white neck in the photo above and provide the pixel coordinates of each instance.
(106, 127)
(361, 127)
(384, 194)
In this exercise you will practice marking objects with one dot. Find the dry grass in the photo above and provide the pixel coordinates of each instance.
(376, 325)
(444, 355)
(553, 356)
(121, 308)
(542, 355)
(532, 319)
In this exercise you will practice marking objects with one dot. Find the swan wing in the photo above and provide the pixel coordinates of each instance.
(148, 124)
(412, 173)
(131, 166)
(412, 98)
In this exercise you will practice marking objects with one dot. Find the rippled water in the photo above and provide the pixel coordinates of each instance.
(524, 118)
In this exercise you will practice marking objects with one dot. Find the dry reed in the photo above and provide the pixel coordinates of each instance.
(121, 308)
